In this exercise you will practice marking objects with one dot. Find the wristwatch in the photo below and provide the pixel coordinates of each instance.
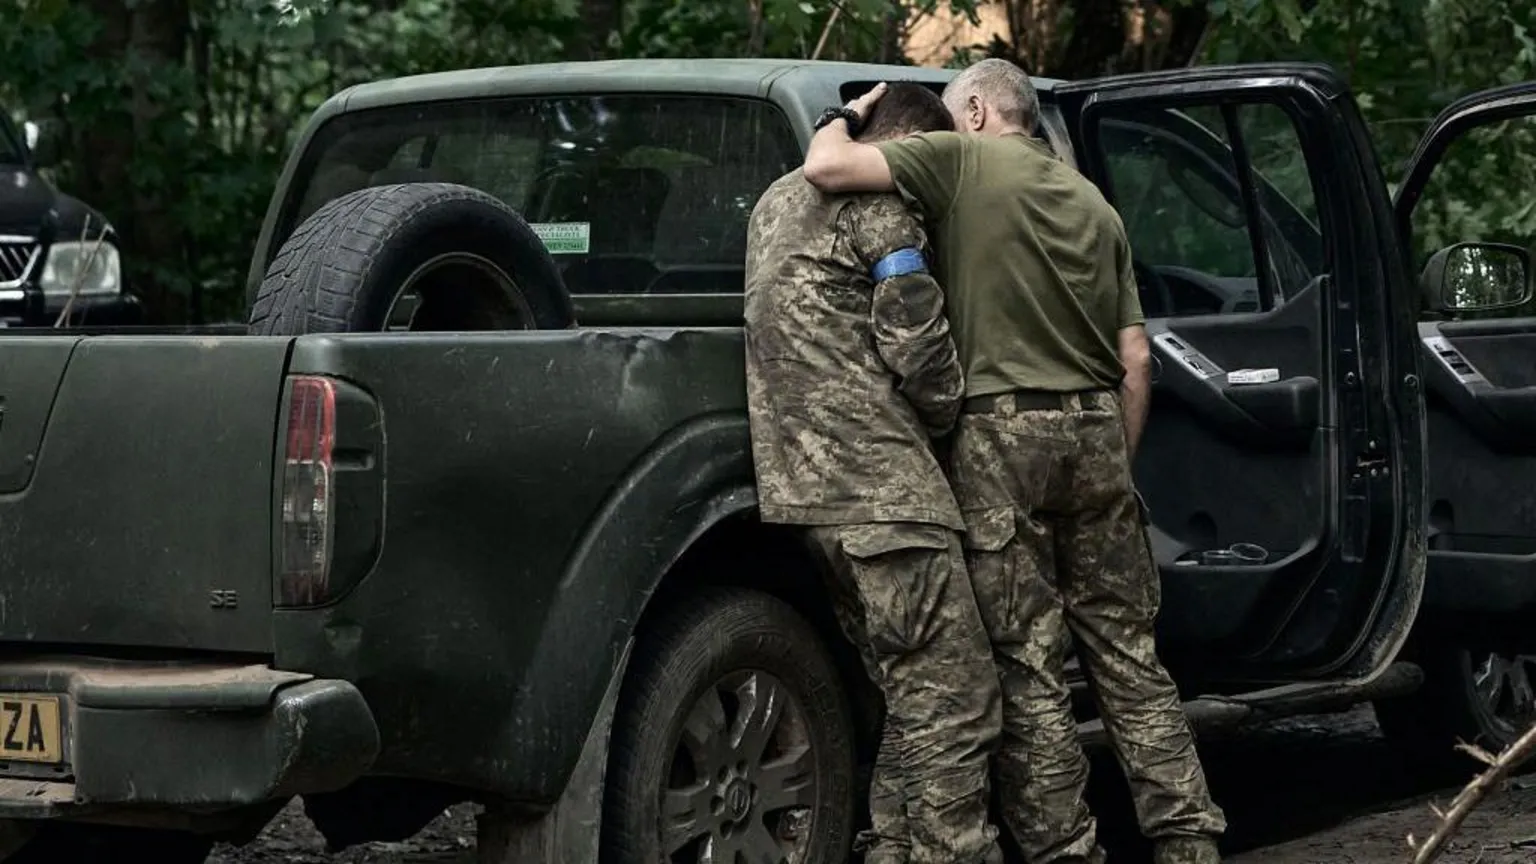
(848, 114)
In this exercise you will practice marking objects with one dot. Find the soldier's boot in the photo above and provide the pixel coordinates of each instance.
(1185, 850)
(872, 847)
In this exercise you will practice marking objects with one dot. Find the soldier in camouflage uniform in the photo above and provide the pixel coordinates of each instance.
(1048, 324)
(850, 372)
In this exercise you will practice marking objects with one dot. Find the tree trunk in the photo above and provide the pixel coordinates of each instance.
(756, 36)
(103, 171)
(892, 32)
(1075, 39)
(599, 19)
(1095, 42)
(158, 34)
(1185, 39)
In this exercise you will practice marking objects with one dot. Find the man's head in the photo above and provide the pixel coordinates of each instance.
(992, 97)
(905, 109)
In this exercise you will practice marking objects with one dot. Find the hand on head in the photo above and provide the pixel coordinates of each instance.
(862, 104)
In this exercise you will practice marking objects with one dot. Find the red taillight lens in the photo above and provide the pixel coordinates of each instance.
(307, 483)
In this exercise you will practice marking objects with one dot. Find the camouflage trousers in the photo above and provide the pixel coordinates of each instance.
(903, 597)
(1058, 554)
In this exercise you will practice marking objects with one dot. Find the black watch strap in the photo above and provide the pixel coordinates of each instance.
(846, 113)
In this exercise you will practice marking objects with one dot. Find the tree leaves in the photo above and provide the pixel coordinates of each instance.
(207, 137)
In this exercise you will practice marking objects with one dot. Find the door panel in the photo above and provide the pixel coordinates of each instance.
(1276, 439)
(1223, 464)
(1485, 373)
(1479, 367)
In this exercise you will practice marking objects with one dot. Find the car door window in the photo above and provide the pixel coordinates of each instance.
(1476, 194)
(1174, 178)
(640, 194)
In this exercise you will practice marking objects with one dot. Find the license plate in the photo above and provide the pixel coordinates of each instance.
(30, 729)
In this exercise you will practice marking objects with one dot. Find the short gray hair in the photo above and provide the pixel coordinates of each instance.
(1000, 84)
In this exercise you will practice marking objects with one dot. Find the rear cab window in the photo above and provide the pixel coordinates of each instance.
(632, 194)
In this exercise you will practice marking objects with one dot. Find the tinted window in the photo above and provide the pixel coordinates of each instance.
(1283, 183)
(1174, 180)
(632, 194)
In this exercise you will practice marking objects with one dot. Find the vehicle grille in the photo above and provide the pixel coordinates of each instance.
(18, 255)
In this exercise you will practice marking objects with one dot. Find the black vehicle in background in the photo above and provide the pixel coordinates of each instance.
(55, 250)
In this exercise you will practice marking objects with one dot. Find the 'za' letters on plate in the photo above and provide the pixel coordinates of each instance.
(29, 729)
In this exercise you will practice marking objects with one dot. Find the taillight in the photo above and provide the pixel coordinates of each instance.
(308, 483)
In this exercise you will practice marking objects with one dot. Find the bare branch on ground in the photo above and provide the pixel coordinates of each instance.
(1486, 781)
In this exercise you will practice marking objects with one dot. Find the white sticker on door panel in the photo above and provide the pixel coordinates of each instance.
(1253, 376)
(564, 238)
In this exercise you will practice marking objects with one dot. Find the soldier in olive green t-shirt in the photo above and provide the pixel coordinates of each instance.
(1048, 325)
(1058, 333)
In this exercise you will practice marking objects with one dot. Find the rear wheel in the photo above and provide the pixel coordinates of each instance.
(1482, 697)
(733, 738)
(412, 257)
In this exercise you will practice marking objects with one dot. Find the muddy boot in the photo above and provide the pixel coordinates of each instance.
(1185, 850)
(876, 849)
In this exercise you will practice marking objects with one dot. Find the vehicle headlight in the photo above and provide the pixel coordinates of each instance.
(92, 264)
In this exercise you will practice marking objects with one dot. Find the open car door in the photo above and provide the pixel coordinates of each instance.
(1282, 464)
(1464, 212)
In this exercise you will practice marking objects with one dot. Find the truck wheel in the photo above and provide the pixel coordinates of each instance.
(733, 738)
(106, 844)
(413, 256)
(1483, 698)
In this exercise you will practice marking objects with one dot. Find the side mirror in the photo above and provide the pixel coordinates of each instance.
(1476, 277)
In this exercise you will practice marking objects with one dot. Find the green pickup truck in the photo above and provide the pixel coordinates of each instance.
(469, 513)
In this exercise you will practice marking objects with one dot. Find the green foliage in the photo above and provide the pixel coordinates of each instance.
(1406, 61)
(175, 116)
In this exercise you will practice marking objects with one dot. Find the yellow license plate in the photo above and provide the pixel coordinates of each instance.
(30, 730)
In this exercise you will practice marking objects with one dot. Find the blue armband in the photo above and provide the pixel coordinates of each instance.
(902, 262)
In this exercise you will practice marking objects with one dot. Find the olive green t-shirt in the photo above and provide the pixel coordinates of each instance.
(1033, 260)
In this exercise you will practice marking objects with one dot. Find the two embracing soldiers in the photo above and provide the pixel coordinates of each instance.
(953, 426)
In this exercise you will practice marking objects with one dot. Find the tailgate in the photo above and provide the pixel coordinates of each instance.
(136, 484)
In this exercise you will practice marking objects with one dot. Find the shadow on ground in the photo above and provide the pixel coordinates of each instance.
(1287, 780)
(1292, 792)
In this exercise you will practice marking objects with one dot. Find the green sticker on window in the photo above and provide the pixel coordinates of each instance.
(564, 238)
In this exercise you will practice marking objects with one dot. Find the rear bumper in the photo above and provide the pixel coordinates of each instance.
(191, 737)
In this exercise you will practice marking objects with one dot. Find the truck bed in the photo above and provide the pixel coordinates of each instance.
(136, 477)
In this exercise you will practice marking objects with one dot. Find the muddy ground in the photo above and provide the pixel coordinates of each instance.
(1310, 791)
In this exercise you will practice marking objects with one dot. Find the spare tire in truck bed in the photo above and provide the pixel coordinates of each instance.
(417, 256)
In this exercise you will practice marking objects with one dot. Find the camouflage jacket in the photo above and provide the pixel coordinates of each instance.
(846, 379)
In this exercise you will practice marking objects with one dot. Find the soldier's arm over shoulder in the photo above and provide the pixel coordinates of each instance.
(926, 168)
(907, 314)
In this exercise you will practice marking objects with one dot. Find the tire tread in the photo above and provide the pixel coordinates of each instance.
(311, 285)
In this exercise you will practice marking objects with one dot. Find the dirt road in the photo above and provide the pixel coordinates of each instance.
(1310, 791)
